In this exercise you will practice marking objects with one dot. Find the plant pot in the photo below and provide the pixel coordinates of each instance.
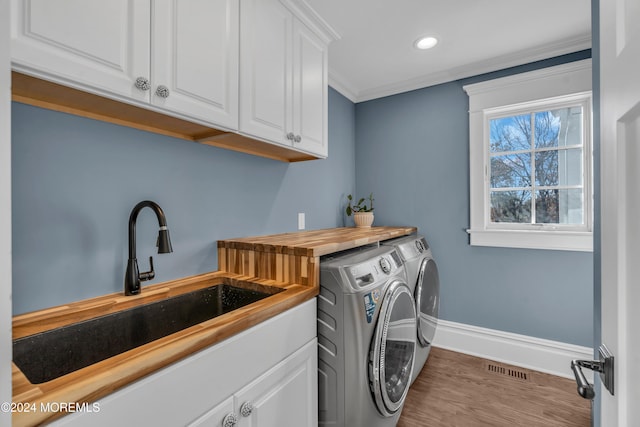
(363, 219)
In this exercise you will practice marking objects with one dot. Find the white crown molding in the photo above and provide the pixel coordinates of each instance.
(551, 357)
(562, 70)
(312, 19)
(339, 84)
(485, 66)
(525, 57)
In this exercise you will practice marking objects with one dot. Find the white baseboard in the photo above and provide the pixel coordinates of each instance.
(551, 357)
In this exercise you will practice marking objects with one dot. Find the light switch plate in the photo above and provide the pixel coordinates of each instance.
(301, 221)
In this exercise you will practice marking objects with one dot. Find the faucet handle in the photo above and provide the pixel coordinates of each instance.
(148, 275)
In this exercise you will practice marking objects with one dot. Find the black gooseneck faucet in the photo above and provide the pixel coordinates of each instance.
(133, 277)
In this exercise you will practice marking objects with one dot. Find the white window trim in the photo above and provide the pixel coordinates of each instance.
(570, 81)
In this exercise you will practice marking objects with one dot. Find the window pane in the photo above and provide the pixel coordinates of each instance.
(547, 207)
(547, 168)
(558, 128)
(559, 167)
(511, 206)
(559, 206)
(570, 167)
(510, 133)
(513, 170)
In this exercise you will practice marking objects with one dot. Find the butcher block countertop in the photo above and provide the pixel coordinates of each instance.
(316, 243)
(295, 257)
(286, 261)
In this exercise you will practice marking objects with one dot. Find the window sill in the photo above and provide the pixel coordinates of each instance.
(532, 239)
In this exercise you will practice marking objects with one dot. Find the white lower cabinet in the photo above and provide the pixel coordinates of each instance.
(264, 376)
(285, 396)
(218, 416)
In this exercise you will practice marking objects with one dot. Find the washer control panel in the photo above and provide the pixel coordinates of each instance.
(375, 269)
(385, 265)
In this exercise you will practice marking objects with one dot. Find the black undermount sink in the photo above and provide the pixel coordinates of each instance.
(48, 355)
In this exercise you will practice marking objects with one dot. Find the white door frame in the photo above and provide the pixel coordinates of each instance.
(620, 206)
(5, 210)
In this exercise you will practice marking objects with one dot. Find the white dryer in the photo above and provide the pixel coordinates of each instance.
(366, 338)
(424, 281)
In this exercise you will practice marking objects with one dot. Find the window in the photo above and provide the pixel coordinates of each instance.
(536, 165)
(530, 159)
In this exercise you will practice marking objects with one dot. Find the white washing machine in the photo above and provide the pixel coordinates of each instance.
(424, 281)
(366, 338)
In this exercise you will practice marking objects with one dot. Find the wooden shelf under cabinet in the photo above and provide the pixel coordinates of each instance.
(45, 94)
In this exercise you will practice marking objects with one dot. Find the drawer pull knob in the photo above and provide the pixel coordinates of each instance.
(142, 83)
(246, 409)
(162, 91)
(230, 420)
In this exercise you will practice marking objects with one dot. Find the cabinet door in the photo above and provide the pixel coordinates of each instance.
(310, 91)
(89, 44)
(265, 75)
(215, 416)
(285, 396)
(195, 56)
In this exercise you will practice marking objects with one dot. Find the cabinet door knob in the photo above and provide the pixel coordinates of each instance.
(297, 138)
(162, 91)
(246, 409)
(230, 420)
(142, 83)
(290, 136)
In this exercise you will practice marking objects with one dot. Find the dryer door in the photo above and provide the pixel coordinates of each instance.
(392, 352)
(427, 298)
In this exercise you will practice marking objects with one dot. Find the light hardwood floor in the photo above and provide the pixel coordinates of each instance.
(457, 390)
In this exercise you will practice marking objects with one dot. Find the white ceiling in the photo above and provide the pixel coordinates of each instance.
(375, 56)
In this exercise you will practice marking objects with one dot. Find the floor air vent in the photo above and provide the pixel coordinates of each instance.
(508, 371)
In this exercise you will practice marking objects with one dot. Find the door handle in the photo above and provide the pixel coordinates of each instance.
(584, 388)
(604, 366)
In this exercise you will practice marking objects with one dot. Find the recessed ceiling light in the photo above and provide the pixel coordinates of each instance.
(425, 42)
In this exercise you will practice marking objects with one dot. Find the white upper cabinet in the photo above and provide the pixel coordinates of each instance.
(102, 44)
(195, 56)
(257, 68)
(310, 91)
(178, 55)
(265, 54)
(283, 80)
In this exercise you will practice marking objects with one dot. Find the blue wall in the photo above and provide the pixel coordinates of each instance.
(412, 152)
(75, 181)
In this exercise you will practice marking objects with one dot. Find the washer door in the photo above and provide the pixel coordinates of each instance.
(427, 297)
(392, 352)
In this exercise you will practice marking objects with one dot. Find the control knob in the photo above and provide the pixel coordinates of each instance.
(385, 265)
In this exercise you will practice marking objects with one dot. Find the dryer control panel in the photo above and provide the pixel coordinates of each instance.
(412, 248)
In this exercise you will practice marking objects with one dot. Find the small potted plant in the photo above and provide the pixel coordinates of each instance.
(362, 211)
